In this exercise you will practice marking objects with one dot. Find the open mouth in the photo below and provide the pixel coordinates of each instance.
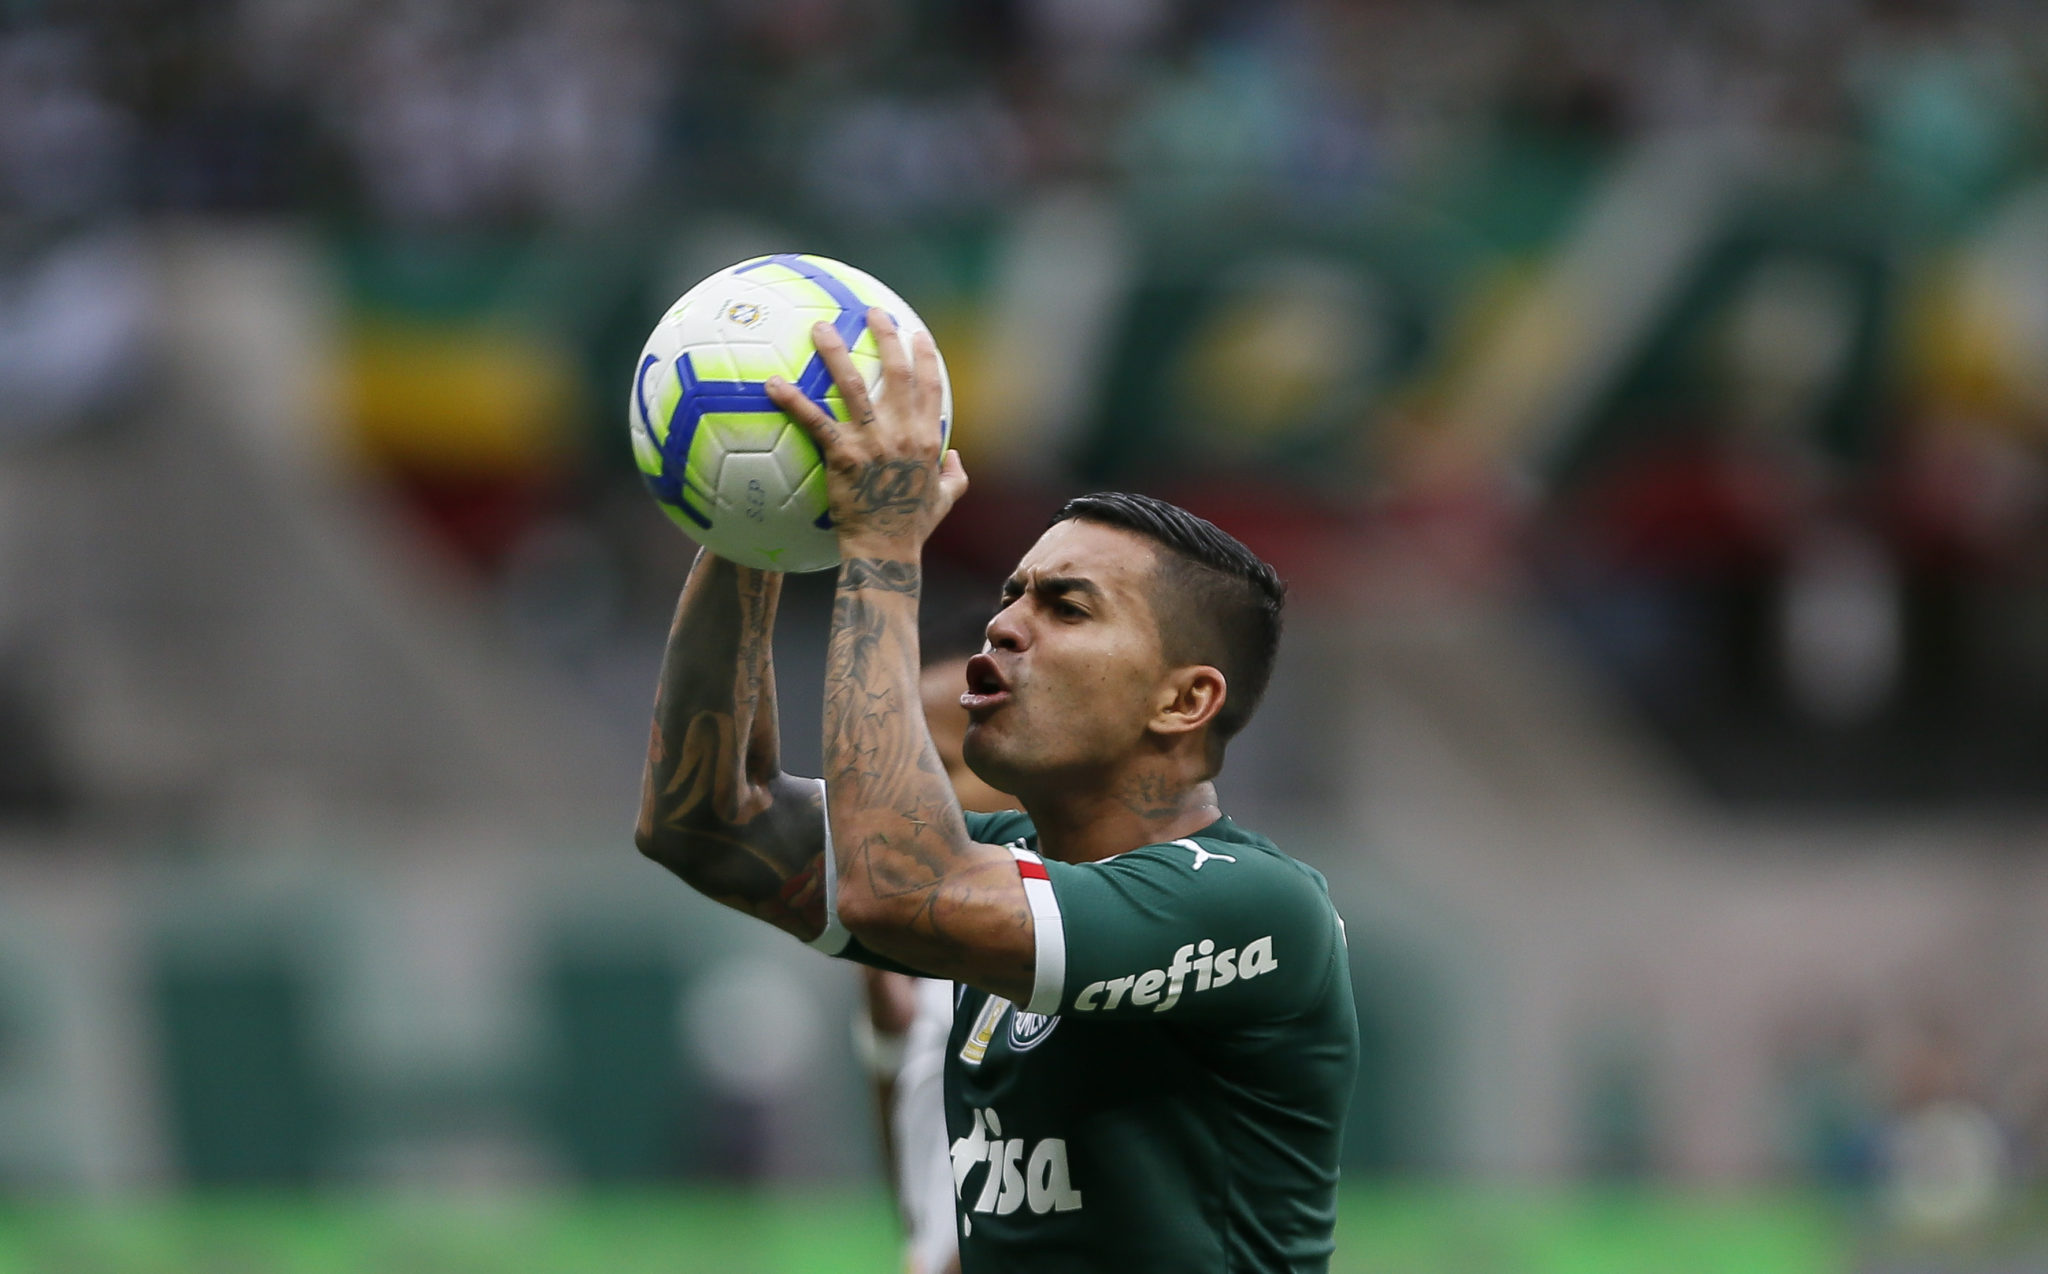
(986, 689)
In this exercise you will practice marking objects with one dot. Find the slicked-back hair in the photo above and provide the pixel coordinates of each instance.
(1216, 602)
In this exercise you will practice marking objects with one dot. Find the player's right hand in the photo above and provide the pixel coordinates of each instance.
(887, 481)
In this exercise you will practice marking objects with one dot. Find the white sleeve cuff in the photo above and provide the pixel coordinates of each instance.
(835, 937)
(1049, 934)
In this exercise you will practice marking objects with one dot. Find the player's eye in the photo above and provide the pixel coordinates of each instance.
(1067, 610)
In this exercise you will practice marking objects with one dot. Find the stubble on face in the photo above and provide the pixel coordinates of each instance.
(940, 688)
(1082, 679)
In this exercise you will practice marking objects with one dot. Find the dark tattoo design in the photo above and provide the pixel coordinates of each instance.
(1152, 796)
(706, 771)
(883, 574)
(891, 486)
(757, 625)
(860, 704)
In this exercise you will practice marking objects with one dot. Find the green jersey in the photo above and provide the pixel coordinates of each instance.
(1172, 1097)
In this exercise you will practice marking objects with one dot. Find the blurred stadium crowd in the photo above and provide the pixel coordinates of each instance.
(1749, 291)
(423, 113)
(1714, 335)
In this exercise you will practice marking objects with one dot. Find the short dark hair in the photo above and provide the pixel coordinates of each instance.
(1216, 602)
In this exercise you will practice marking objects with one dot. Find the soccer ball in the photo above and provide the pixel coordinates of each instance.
(735, 473)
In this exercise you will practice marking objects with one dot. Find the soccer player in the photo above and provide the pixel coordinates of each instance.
(1153, 1038)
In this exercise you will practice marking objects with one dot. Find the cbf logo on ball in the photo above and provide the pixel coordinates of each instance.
(723, 462)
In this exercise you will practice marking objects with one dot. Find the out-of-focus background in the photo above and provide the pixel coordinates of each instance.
(1647, 400)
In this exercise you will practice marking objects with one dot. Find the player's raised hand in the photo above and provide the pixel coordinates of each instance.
(886, 478)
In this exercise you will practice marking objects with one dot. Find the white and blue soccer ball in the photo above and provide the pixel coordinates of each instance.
(723, 461)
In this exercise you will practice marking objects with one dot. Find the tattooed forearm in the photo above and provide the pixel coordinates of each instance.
(866, 697)
(714, 713)
(905, 860)
(715, 806)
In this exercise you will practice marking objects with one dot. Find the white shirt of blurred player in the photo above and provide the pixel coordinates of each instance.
(924, 1166)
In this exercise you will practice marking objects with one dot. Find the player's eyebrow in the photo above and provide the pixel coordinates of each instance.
(1051, 585)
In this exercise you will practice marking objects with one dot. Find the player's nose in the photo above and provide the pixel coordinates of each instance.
(1005, 630)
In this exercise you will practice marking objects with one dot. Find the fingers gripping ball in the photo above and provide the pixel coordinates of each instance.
(735, 473)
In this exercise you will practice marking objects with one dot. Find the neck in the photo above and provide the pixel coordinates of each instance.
(1143, 806)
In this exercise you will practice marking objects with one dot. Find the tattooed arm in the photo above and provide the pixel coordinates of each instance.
(911, 885)
(715, 807)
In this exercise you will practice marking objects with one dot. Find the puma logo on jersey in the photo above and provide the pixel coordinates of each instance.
(1202, 855)
(1209, 967)
(1019, 1174)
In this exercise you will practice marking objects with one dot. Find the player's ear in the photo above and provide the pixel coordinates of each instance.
(1188, 699)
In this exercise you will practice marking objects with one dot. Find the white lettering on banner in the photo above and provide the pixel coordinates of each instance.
(1019, 1174)
(1199, 963)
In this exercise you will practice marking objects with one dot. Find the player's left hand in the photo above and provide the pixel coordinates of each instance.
(886, 479)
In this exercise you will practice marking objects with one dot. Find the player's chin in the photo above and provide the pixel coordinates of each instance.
(989, 753)
(976, 744)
